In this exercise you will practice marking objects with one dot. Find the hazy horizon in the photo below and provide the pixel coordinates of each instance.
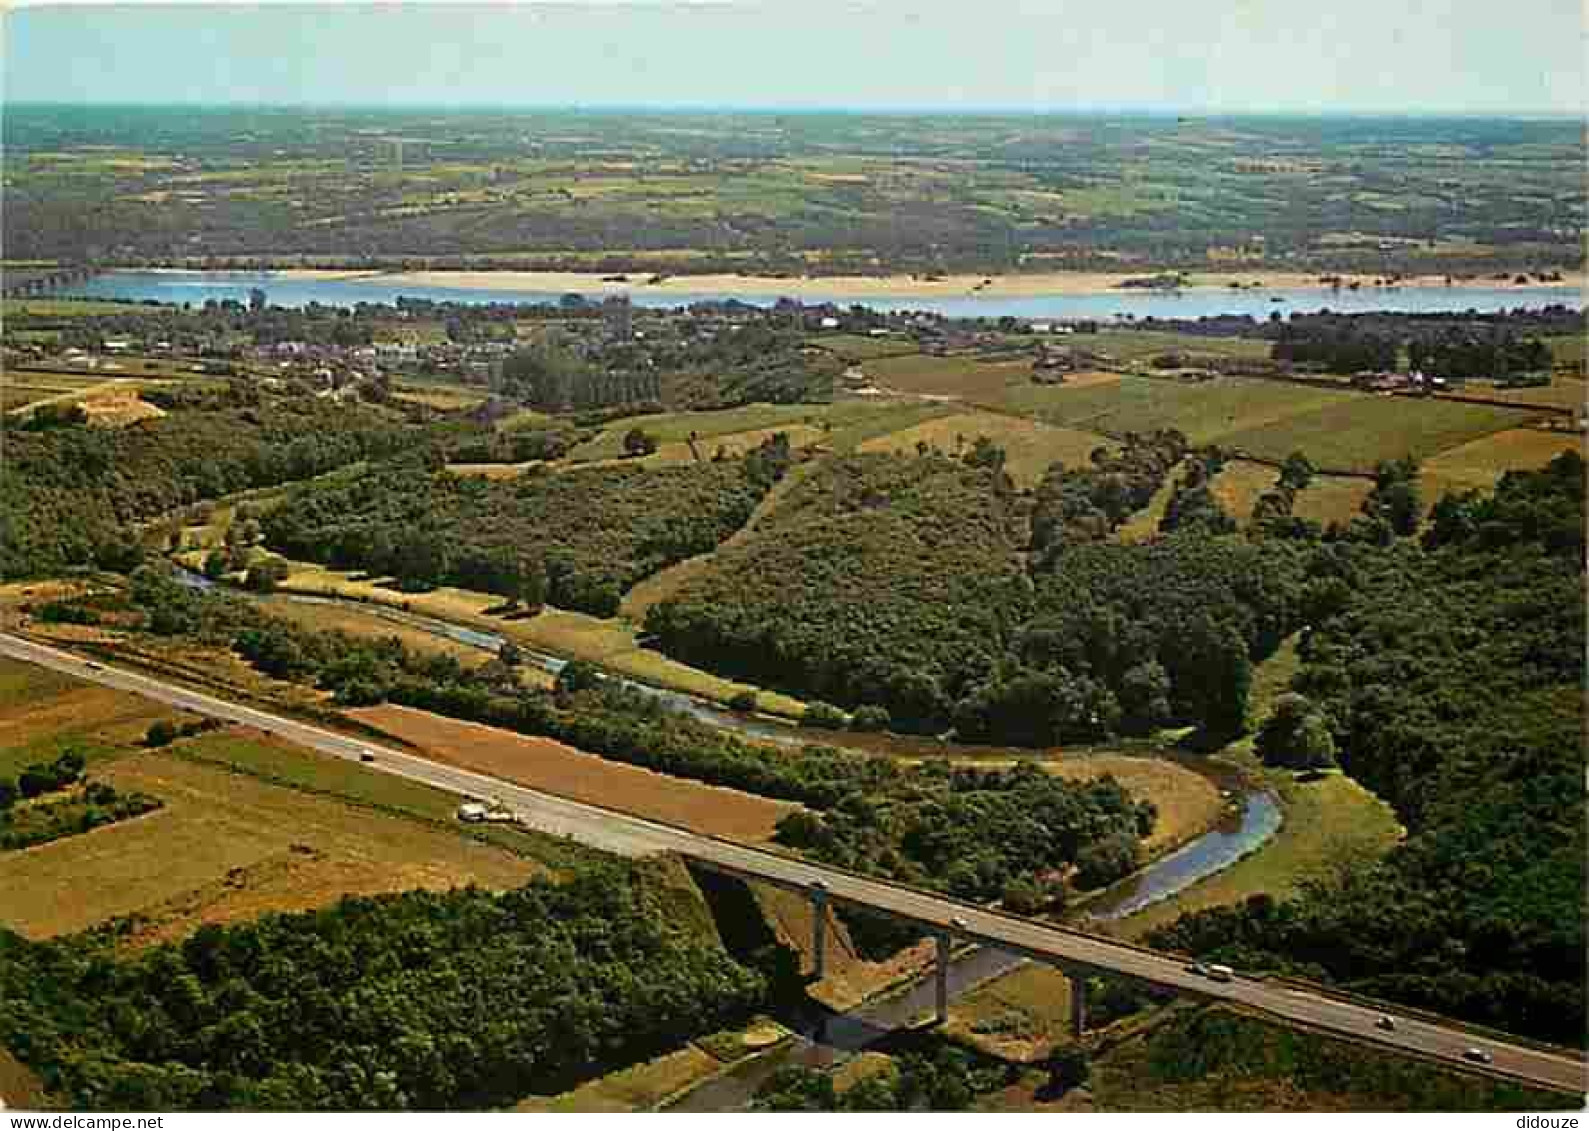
(1233, 58)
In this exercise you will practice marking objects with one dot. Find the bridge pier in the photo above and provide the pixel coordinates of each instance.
(819, 933)
(1078, 1004)
(942, 978)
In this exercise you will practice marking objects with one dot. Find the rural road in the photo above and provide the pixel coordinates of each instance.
(627, 835)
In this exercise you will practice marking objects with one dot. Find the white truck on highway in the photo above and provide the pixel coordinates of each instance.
(478, 812)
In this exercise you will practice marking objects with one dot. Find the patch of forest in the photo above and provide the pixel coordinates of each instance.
(879, 580)
(897, 583)
(426, 1000)
(1019, 834)
(577, 539)
(1450, 682)
(68, 493)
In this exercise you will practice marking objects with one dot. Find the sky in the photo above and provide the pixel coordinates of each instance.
(1521, 57)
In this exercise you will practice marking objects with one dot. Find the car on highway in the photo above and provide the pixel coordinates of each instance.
(1478, 1056)
(366, 756)
(1386, 1022)
(1219, 973)
(959, 924)
(93, 666)
(1197, 968)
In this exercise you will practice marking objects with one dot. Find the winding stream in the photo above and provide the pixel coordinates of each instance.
(1252, 818)
(824, 1037)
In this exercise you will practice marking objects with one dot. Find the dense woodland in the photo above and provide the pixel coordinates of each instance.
(1442, 668)
(68, 494)
(577, 539)
(1452, 683)
(878, 580)
(898, 583)
(426, 1001)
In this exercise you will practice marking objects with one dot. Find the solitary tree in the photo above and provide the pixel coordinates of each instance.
(1297, 472)
(638, 442)
(1296, 735)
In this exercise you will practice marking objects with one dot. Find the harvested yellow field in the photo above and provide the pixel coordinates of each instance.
(1087, 378)
(1480, 463)
(734, 444)
(542, 763)
(1332, 498)
(229, 847)
(118, 407)
(1238, 485)
(1029, 445)
(42, 712)
(1019, 1016)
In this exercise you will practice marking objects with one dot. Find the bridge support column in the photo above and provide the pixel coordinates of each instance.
(1078, 1004)
(942, 987)
(819, 934)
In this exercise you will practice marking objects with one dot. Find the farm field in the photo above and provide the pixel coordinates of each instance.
(1019, 1016)
(1358, 432)
(859, 347)
(609, 643)
(1238, 485)
(43, 713)
(1566, 349)
(731, 444)
(965, 377)
(1206, 411)
(229, 846)
(544, 764)
(1478, 464)
(62, 307)
(447, 398)
(1563, 391)
(674, 428)
(1140, 345)
(1332, 498)
(888, 417)
(1029, 446)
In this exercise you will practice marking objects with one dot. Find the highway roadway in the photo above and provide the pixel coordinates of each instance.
(624, 834)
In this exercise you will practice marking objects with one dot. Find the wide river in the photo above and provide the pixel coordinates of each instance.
(197, 287)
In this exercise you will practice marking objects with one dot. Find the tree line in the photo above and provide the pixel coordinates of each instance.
(576, 539)
(1448, 680)
(425, 1001)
